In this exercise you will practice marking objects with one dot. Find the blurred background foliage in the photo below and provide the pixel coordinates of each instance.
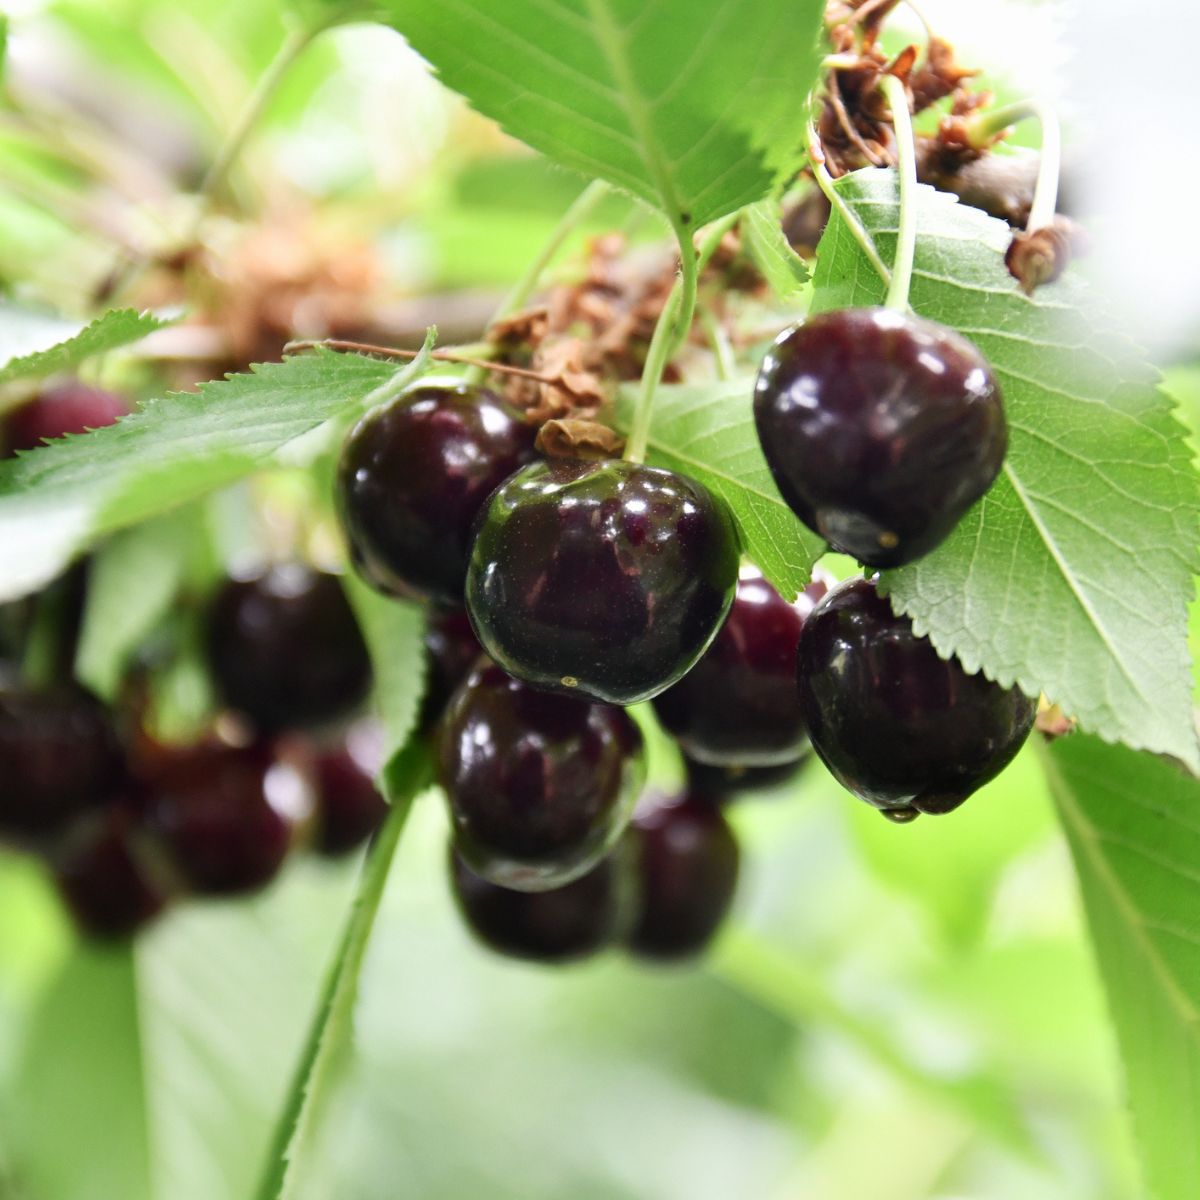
(892, 1014)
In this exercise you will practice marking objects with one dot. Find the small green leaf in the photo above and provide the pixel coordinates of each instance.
(695, 106)
(1133, 823)
(394, 631)
(785, 271)
(707, 432)
(55, 500)
(33, 345)
(1073, 575)
(131, 585)
(81, 1084)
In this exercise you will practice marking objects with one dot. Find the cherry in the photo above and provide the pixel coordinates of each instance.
(59, 756)
(451, 651)
(602, 579)
(349, 808)
(105, 878)
(56, 411)
(412, 477)
(737, 706)
(880, 429)
(539, 786)
(226, 816)
(898, 726)
(285, 648)
(721, 784)
(561, 925)
(688, 869)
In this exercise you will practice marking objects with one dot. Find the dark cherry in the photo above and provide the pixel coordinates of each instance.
(687, 875)
(881, 430)
(412, 477)
(285, 648)
(539, 786)
(737, 706)
(59, 756)
(564, 924)
(349, 808)
(601, 579)
(451, 649)
(721, 784)
(898, 726)
(226, 816)
(56, 411)
(106, 878)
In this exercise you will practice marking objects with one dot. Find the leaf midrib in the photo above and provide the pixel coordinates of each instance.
(1088, 839)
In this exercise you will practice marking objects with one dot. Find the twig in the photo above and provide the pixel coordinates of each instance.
(466, 360)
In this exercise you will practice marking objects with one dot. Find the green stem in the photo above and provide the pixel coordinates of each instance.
(985, 126)
(316, 1071)
(722, 347)
(582, 207)
(674, 324)
(825, 181)
(294, 44)
(906, 165)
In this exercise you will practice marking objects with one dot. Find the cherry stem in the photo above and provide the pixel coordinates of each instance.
(482, 365)
(674, 324)
(825, 181)
(986, 126)
(722, 347)
(294, 44)
(581, 208)
(906, 166)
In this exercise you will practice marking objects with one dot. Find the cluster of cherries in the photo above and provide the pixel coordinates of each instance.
(594, 585)
(559, 592)
(126, 824)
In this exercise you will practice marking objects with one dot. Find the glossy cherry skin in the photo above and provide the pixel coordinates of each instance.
(451, 649)
(601, 579)
(561, 925)
(106, 878)
(56, 411)
(898, 726)
(881, 430)
(722, 784)
(285, 649)
(539, 786)
(226, 816)
(59, 757)
(737, 706)
(687, 876)
(349, 808)
(412, 477)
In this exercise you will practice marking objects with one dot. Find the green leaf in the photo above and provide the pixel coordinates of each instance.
(34, 345)
(131, 585)
(81, 1085)
(785, 271)
(707, 432)
(324, 1054)
(1133, 823)
(225, 995)
(394, 631)
(695, 106)
(780, 982)
(55, 500)
(1072, 576)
